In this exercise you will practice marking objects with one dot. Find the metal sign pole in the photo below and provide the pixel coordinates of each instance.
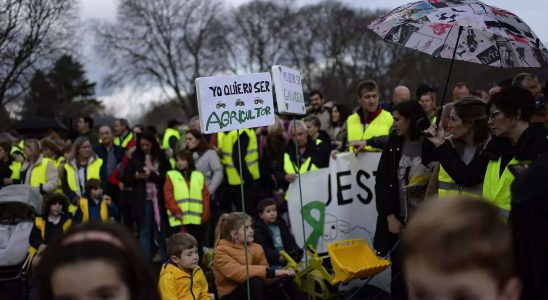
(244, 214)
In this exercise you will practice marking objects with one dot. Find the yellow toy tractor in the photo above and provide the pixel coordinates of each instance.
(351, 259)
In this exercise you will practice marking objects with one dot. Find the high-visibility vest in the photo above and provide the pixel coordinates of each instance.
(172, 162)
(93, 171)
(251, 158)
(15, 168)
(19, 148)
(39, 172)
(380, 126)
(448, 187)
(496, 188)
(168, 134)
(84, 208)
(57, 164)
(291, 168)
(189, 199)
(118, 141)
(40, 223)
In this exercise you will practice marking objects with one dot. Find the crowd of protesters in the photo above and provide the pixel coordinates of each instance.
(481, 145)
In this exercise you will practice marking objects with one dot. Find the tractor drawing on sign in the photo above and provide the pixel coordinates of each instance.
(240, 102)
(259, 101)
(220, 105)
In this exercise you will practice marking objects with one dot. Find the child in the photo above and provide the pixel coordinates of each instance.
(273, 234)
(229, 260)
(186, 197)
(96, 206)
(459, 248)
(50, 225)
(181, 278)
(96, 261)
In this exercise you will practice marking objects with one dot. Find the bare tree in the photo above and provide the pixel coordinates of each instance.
(260, 31)
(32, 34)
(167, 42)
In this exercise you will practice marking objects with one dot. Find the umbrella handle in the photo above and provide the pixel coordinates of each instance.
(461, 29)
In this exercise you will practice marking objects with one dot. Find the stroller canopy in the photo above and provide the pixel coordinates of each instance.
(24, 194)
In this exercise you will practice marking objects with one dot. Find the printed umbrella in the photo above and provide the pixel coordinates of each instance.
(466, 30)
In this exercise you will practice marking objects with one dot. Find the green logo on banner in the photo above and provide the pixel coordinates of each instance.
(316, 224)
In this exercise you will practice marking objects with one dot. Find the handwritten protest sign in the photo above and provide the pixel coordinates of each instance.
(289, 90)
(235, 101)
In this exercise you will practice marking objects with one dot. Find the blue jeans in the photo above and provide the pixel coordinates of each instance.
(148, 230)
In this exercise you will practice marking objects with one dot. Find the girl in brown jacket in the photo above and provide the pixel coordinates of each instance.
(230, 260)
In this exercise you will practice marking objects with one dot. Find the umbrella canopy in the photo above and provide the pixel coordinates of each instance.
(38, 126)
(466, 30)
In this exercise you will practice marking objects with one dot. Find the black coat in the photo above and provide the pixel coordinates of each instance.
(5, 171)
(137, 205)
(386, 193)
(263, 237)
(529, 220)
(464, 175)
(102, 153)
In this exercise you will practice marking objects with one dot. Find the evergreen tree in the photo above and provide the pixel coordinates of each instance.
(63, 92)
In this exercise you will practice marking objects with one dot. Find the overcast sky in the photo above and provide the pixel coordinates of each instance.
(533, 12)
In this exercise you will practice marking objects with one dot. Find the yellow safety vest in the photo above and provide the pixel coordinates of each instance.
(84, 207)
(291, 168)
(93, 171)
(40, 223)
(19, 148)
(448, 187)
(380, 126)
(496, 188)
(168, 134)
(125, 142)
(189, 199)
(39, 172)
(15, 168)
(251, 158)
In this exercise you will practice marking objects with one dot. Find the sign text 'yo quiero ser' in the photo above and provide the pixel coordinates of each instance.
(235, 101)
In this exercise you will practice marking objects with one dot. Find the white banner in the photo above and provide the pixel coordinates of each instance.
(338, 204)
(235, 101)
(289, 90)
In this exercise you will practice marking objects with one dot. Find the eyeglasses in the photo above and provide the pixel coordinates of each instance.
(494, 114)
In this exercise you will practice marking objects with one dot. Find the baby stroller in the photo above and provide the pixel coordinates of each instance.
(18, 206)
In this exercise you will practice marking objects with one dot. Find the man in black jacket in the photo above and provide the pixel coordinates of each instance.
(111, 155)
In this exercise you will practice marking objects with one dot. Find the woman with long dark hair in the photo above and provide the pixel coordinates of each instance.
(206, 159)
(462, 169)
(337, 126)
(145, 174)
(401, 184)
